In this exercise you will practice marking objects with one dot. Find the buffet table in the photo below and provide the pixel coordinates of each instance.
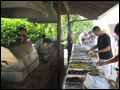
(80, 64)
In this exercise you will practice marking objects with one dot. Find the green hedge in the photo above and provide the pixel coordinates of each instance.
(10, 28)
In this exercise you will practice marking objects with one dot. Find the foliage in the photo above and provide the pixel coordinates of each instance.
(49, 32)
(54, 35)
(10, 28)
(76, 27)
(52, 31)
(103, 30)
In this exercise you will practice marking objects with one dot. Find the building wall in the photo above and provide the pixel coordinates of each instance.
(108, 20)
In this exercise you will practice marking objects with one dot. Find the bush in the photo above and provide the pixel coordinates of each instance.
(103, 30)
(10, 29)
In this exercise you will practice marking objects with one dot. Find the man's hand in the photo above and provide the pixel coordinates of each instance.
(117, 69)
(90, 41)
(87, 51)
(101, 63)
(95, 51)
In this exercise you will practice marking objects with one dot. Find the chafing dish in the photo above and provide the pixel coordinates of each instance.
(44, 46)
(18, 60)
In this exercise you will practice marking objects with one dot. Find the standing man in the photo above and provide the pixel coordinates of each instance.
(116, 58)
(84, 38)
(25, 34)
(43, 36)
(104, 49)
(81, 34)
(40, 42)
(113, 43)
(22, 33)
(89, 34)
(71, 39)
(93, 41)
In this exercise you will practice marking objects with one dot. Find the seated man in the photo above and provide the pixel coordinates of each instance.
(22, 33)
(39, 43)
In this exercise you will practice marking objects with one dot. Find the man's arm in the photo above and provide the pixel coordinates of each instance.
(107, 43)
(115, 59)
(95, 47)
(104, 49)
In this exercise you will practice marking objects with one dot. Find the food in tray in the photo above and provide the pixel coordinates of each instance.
(93, 55)
(82, 66)
(79, 51)
(76, 72)
(80, 59)
(94, 67)
(80, 54)
(73, 79)
(77, 55)
(83, 72)
(94, 74)
(78, 45)
(80, 62)
(72, 86)
(78, 66)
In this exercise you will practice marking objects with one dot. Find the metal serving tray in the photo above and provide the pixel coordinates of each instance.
(71, 86)
(68, 76)
(80, 68)
(78, 45)
(75, 62)
(78, 54)
(78, 58)
(79, 49)
(81, 57)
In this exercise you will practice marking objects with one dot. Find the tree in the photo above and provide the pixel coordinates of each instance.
(49, 32)
(76, 27)
(10, 29)
(54, 34)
